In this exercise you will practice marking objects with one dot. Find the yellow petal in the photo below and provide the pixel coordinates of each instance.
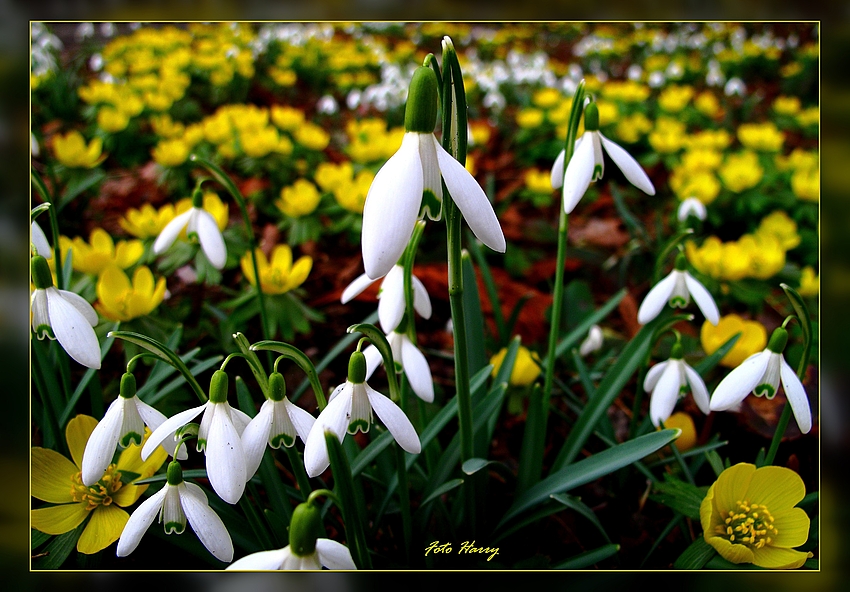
(77, 434)
(111, 284)
(282, 259)
(131, 459)
(101, 241)
(128, 494)
(708, 514)
(731, 486)
(779, 558)
(51, 476)
(103, 529)
(731, 552)
(299, 272)
(793, 527)
(128, 252)
(59, 519)
(143, 281)
(777, 488)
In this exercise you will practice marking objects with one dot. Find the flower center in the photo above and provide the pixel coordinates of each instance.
(99, 494)
(748, 524)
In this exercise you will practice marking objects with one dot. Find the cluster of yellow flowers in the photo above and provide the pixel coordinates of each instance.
(369, 140)
(348, 189)
(804, 167)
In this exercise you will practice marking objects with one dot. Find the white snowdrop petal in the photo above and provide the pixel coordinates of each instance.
(101, 444)
(471, 201)
(416, 368)
(212, 242)
(391, 208)
(225, 456)
(139, 522)
(665, 394)
(355, 288)
(703, 298)
(430, 169)
(333, 418)
(73, 330)
(739, 382)
(239, 418)
(579, 172)
(698, 389)
(207, 525)
(171, 231)
(261, 561)
(255, 437)
(334, 555)
(657, 298)
(796, 395)
(39, 241)
(290, 561)
(167, 428)
(373, 360)
(421, 300)
(653, 375)
(81, 304)
(557, 174)
(300, 418)
(153, 419)
(633, 172)
(391, 299)
(396, 421)
(40, 317)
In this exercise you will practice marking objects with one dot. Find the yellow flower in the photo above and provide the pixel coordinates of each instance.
(748, 516)
(351, 194)
(147, 222)
(700, 184)
(753, 338)
(782, 227)
(101, 252)
(668, 135)
(631, 128)
(279, 275)
(674, 98)
(766, 255)
(786, 105)
(526, 366)
(538, 181)
(300, 199)
(111, 120)
(120, 300)
(684, 422)
(481, 132)
(546, 97)
(701, 159)
(608, 112)
(805, 183)
(170, 153)
(809, 282)
(709, 139)
(708, 104)
(329, 176)
(259, 142)
(741, 171)
(764, 137)
(57, 480)
(807, 117)
(312, 136)
(212, 204)
(287, 118)
(72, 151)
(529, 118)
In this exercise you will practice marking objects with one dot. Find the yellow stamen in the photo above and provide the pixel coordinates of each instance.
(98, 494)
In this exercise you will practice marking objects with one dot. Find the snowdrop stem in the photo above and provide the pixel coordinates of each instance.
(777, 435)
(409, 256)
(228, 358)
(311, 499)
(347, 496)
(678, 456)
(43, 192)
(787, 320)
(131, 365)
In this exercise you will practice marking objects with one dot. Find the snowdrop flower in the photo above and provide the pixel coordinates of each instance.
(592, 342)
(587, 163)
(278, 422)
(350, 409)
(391, 303)
(408, 186)
(197, 221)
(39, 241)
(175, 504)
(670, 380)
(64, 316)
(677, 289)
(219, 436)
(410, 359)
(305, 549)
(691, 207)
(124, 423)
(760, 374)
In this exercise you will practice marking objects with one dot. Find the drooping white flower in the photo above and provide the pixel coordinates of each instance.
(197, 221)
(411, 360)
(64, 316)
(592, 342)
(691, 207)
(667, 381)
(122, 424)
(219, 436)
(391, 303)
(677, 289)
(175, 504)
(761, 374)
(408, 186)
(587, 163)
(39, 241)
(278, 422)
(350, 409)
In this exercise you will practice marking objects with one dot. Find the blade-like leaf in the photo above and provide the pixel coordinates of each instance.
(300, 358)
(696, 555)
(588, 558)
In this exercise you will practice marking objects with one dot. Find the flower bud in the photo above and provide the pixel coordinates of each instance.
(41, 276)
(420, 115)
(681, 262)
(175, 473)
(591, 117)
(304, 529)
(357, 368)
(218, 387)
(277, 386)
(197, 198)
(128, 386)
(778, 340)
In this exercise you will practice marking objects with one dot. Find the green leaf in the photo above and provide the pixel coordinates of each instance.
(590, 469)
(588, 558)
(444, 488)
(665, 252)
(574, 503)
(38, 538)
(58, 550)
(301, 359)
(253, 362)
(84, 381)
(580, 332)
(711, 361)
(473, 317)
(682, 497)
(489, 286)
(715, 461)
(696, 555)
(802, 312)
(379, 340)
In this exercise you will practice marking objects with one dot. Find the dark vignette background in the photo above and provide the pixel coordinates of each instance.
(835, 265)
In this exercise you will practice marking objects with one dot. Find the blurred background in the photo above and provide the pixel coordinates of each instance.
(14, 326)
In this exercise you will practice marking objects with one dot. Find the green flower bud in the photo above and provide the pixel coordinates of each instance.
(218, 387)
(676, 351)
(128, 386)
(304, 529)
(591, 117)
(175, 473)
(357, 368)
(197, 198)
(681, 262)
(277, 386)
(420, 114)
(41, 276)
(778, 340)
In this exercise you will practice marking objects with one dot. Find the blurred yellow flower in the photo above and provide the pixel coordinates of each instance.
(810, 116)
(764, 137)
(704, 159)
(741, 171)
(299, 199)
(72, 151)
(628, 91)
(120, 300)
(684, 422)
(668, 135)
(786, 105)
(481, 132)
(700, 184)
(279, 275)
(101, 252)
(351, 194)
(632, 128)
(674, 98)
(526, 366)
(57, 480)
(748, 516)
(805, 183)
(165, 127)
(330, 175)
(780, 225)
(287, 118)
(257, 143)
(709, 139)
(283, 77)
(753, 338)
(809, 282)
(538, 181)
(170, 153)
(112, 120)
(766, 255)
(529, 118)
(608, 112)
(722, 261)
(546, 97)
(147, 222)
(708, 104)
(312, 136)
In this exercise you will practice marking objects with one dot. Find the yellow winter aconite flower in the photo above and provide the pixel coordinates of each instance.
(259, 142)
(147, 222)
(741, 171)
(764, 137)
(805, 183)
(809, 282)
(674, 98)
(722, 261)
(480, 132)
(72, 151)
(278, 275)
(684, 422)
(780, 225)
(330, 175)
(668, 135)
(753, 338)
(287, 118)
(704, 159)
(632, 128)
(709, 140)
(766, 255)
(57, 480)
(312, 136)
(212, 204)
(529, 118)
(786, 105)
(299, 199)
(170, 153)
(748, 516)
(810, 116)
(112, 120)
(526, 366)
(538, 181)
(627, 91)
(120, 300)
(708, 104)
(701, 184)
(101, 252)
(546, 97)
(351, 193)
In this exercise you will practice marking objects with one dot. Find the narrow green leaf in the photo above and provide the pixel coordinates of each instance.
(802, 312)
(588, 558)
(696, 555)
(682, 497)
(665, 252)
(444, 488)
(715, 461)
(711, 361)
(575, 504)
(58, 550)
(345, 492)
(368, 454)
(38, 538)
(489, 286)
(254, 363)
(580, 332)
(301, 359)
(473, 316)
(84, 381)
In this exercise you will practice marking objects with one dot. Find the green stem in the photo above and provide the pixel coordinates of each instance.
(344, 488)
(404, 500)
(301, 477)
(678, 456)
(777, 435)
(41, 188)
